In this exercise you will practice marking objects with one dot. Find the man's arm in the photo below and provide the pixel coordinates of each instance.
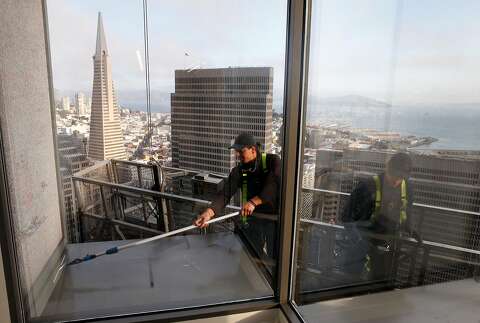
(230, 187)
(220, 200)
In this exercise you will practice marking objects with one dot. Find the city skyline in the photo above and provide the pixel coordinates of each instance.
(442, 69)
(382, 117)
(168, 46)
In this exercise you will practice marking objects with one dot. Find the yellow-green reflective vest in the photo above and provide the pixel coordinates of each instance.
(378, 199)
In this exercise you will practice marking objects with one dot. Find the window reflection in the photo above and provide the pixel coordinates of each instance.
(390, 194)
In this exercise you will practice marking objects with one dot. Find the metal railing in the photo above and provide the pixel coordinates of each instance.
(406, 239)
(427, 206)
(133, 196)
(472, 256)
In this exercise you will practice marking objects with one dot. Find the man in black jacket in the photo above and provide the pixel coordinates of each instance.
(379, 205)
(258, 178)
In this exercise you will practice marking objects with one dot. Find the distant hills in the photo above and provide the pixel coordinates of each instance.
(350, 101)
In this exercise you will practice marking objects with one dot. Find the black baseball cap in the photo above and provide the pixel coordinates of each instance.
(400, 165)
(243, 140)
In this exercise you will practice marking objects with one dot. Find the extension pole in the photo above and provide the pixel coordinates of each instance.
(138, 243)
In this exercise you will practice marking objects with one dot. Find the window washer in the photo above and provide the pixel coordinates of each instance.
(381, 205)
(258, 177)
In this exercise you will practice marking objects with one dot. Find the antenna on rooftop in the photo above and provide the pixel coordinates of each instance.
(194, 67)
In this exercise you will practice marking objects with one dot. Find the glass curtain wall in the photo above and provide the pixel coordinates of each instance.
(388, 215)
(149, 98)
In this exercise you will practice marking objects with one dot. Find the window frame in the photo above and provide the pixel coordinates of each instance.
(296, 93)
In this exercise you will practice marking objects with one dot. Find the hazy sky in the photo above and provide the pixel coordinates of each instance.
(401, 51)
(396, 51)
(213, 33)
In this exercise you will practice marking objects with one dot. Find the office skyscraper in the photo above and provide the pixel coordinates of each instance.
(66, 103)
(106, 138)
(88, 104)
(73, 159)
(210, 107)
(80, 103)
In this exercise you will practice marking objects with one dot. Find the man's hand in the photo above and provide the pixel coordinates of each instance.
(247, 209)
(202, 219)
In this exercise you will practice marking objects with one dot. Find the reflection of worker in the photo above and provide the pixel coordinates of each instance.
(380, 204)
(258, 177)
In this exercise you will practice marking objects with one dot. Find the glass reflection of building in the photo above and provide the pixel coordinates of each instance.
(436, 180)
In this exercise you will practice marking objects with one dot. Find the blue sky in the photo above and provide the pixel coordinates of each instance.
(396, 51)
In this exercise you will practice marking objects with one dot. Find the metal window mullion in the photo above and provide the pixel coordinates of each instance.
(202, 312)
(295, 93)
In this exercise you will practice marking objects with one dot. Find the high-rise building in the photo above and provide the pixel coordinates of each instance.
(308, 182)
(80, 103)
(88, 105)
(106, 138)
(73, 158)
(328, 176)
(210, 107)
(66, 103)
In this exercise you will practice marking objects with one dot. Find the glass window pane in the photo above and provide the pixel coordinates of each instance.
(149, 98)
(220, 76)
(390, 196)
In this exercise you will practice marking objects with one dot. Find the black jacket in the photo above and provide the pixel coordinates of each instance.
(261, 183)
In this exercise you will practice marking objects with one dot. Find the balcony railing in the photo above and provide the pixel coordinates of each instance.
(426, 256)
(131, 199)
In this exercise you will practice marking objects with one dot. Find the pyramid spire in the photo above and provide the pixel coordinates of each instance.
(106, 137)
(101, 40)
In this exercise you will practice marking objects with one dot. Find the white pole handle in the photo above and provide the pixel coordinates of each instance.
(171, 233)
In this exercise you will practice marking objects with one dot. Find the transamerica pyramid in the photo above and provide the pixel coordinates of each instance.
(106, 138)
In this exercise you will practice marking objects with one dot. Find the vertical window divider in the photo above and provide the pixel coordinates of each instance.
(298, 28)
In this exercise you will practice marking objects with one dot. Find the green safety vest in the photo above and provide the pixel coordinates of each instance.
(378, 203)
(378, 199)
